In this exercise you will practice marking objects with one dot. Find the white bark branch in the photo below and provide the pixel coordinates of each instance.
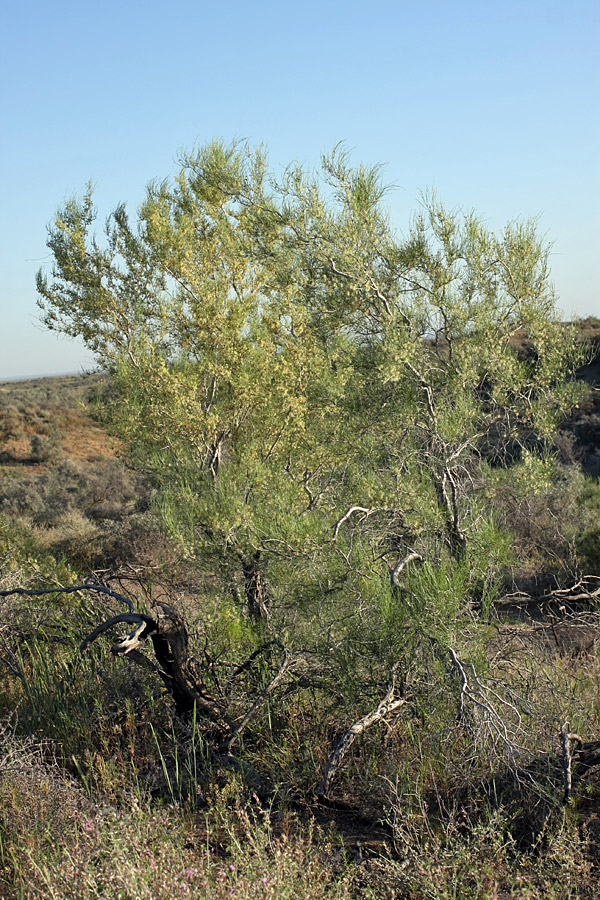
(401, 564)
(387, 706)
(346, 516)
(568, 739)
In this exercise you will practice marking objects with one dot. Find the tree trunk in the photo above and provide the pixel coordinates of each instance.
(255, 589)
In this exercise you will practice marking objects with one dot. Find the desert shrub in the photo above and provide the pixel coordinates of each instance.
(43, 498)
(459, 859)
(140, 537)
(21, 498)
(588, 547)
(546, 513)
(74, 536)
(103, 490)
(11, 424)
(46, 447)
(109, 490)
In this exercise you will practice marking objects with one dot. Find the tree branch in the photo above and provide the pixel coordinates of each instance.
(287, 659)
(387, 706)
(347, 515)
(400, 565)
(99, 588)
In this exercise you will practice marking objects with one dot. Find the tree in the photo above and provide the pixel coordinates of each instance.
(319, 399)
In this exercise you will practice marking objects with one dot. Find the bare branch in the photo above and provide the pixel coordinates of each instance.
(582, 590)
(426, 387)
(144, 622)
(287, 659)
(567, 741)
(387, 706)
(337, 271)
(384, 300)
(246, 665)
(99, 588)
(347, 515)
(11, 662)
(494, 716)
(401, 564)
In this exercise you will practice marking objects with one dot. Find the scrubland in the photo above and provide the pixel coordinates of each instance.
(106, 792)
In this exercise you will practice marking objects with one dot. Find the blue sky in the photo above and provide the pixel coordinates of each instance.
(494, 105)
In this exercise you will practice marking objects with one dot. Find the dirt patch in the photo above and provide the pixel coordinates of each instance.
(86, 441)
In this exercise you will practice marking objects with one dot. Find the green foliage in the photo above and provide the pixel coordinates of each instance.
(317, 398)
(588, 539)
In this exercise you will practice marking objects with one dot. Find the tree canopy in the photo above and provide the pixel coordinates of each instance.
(321, 400)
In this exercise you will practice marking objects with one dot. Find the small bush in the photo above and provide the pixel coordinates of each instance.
(46, 448)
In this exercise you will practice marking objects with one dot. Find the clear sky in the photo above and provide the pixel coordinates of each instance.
(496, 105)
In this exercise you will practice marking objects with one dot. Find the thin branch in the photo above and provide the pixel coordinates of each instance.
(99, 588)
(426, 388)
(11, 662)
(287, 659)
(387, 706)
(246, 665)
(486, 701)
(582, 590)
(336, 271)
(377, 291)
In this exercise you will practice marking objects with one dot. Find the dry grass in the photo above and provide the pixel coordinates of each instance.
(56, 844)
(52, 407)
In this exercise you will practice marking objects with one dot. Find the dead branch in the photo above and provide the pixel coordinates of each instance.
(254, 655)
(179, 671)
(287, 659)
(146, 625)
(387, 706)
(568, 739)
(400, 566)
(347, 515)
(583, 590)
(494, 716)
(577, 758)
(99, 588)
(10, 661)
(181, 675)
